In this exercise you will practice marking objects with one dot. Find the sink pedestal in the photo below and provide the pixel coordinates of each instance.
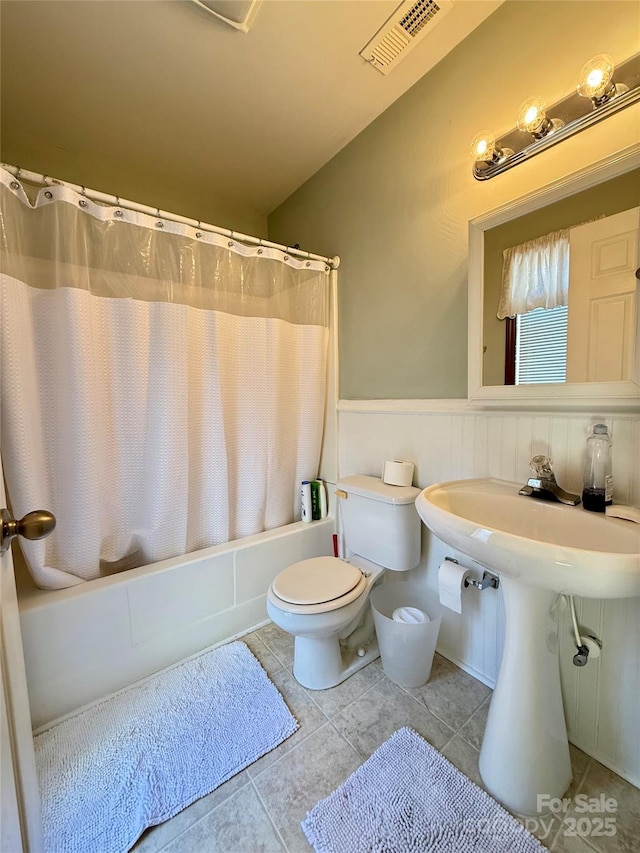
(525, 751)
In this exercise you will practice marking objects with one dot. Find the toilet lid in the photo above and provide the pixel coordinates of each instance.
(316, 580)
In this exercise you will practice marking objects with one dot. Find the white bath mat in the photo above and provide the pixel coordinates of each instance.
(131, 761)
(408, 797)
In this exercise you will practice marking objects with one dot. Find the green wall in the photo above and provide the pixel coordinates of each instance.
(94, 170)
(395, 203)
(83, 101)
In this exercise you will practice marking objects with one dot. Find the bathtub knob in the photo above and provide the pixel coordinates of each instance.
(35, 525)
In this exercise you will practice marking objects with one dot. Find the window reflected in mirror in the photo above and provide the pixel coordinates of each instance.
(536, 347)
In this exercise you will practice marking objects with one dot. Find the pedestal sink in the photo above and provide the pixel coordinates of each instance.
(538, 549)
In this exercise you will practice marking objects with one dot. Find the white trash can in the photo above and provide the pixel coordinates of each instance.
(407, 645)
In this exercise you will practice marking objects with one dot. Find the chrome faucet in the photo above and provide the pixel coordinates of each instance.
(542, 484)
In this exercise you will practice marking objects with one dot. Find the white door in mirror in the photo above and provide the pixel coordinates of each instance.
(602, 298)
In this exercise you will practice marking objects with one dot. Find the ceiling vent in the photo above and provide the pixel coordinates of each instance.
(408, 25)
(239, 14)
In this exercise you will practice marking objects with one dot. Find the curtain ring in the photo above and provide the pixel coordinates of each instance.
(198, 231)
(18, 171)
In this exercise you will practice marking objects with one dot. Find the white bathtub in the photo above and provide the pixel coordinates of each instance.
(82, 643)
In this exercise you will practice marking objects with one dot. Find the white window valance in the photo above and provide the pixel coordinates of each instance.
(535, 274)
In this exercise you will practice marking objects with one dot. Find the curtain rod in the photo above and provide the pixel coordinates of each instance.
(96, 195)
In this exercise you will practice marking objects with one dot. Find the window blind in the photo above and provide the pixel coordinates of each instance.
(541, 346)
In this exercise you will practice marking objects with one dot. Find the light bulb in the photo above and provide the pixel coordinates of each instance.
(483, 147)
(532, 116)
(596, 79)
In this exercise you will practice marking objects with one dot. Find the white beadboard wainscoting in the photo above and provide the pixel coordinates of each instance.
(446, 440)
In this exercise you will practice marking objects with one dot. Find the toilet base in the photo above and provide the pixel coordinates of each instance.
(320, 663)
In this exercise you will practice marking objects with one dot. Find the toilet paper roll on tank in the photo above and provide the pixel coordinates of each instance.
(397, 473)
(451, 578)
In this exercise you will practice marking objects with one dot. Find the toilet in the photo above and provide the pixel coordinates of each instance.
(324, 601)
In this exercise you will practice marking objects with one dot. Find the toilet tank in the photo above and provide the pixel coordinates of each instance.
(380, 522)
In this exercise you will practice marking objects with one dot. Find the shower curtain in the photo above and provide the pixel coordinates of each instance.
(162, 389)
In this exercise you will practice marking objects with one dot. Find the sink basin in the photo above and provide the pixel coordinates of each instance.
(561, 548)
(538, 549)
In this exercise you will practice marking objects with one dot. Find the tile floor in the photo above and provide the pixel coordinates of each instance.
(261, 808)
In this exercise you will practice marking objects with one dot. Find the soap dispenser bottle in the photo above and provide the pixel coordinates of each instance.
(598, 482)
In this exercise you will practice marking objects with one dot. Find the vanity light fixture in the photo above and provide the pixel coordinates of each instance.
(596, 81)
(596, 97)
(484, 149)
(532, 118)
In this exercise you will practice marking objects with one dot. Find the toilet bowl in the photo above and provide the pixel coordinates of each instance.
(321, 614)
(324, 601)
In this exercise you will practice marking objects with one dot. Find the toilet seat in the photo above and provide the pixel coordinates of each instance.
(318, 585)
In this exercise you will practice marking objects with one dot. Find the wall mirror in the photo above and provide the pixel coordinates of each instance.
(609, 325)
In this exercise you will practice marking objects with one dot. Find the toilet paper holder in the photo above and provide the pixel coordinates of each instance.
(488, 580)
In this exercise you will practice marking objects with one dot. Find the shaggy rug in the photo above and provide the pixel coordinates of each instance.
(137, 758)
(408, 797)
